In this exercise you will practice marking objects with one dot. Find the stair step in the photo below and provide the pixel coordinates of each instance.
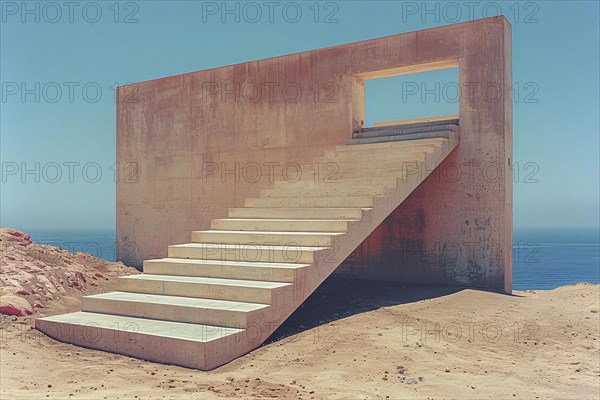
(396, 145)
(168, 342)
(336, 176)
(296, 213)
(198, 333)
(349, 201)
(276, 272)
(244, 253)
(345, 157)
(394, 138)
(304, 225)
(333, 191)
(400, 130)
(379, 155)
(422, 122)
(378, 152)
(209, 288)
(386, 181)
(193, 310)
(367, 166)
(316, 239)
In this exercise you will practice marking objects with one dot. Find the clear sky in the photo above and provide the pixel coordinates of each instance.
(45, 48)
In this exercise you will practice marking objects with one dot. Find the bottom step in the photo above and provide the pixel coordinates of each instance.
(188, 345)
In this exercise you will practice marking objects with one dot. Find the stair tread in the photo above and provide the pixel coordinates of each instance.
(401, 147)
(305, 208)
(325, 184)
(177, 330)
(211, 281)
(366, 196)
(290, 233)
(341, 159)
(404, 130)
(285, 220)
(400, 138)
(451, 120)
(257, 246)
(310, 190)
(181, 301)
(230, 263)
(299, 213)
(390, 144)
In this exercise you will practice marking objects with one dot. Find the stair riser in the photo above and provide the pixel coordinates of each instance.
(380, 155)
(351, 201)
(244, 253)
(358, 191)
(276, 226)
(367, 161)
(221, 271)
(404, 144)
(334, 167)
(390, 173)
(384, 154)
(353, 151)
(306, 213)
(388, 182)
(168, 312)
(339, 176)
(198, 290)
(261, 239)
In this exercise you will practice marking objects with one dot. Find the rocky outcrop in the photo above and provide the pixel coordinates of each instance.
(33, 275)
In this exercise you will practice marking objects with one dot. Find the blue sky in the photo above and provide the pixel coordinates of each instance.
(555, 67)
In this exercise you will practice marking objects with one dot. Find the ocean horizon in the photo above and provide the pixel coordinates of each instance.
(543, 258)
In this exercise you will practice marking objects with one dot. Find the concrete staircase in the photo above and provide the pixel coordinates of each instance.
(223, 294)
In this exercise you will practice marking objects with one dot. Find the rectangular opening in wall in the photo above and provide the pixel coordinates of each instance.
(416, 96)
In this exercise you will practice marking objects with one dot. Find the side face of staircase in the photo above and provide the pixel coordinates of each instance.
(224, 293)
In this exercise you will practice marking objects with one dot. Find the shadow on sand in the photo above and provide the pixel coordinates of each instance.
(339, 298)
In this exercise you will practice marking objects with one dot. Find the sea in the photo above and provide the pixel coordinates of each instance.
(542, 258)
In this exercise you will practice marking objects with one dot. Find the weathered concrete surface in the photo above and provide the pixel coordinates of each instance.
(181, 132)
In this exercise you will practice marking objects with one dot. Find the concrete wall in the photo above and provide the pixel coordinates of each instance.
(177, 136)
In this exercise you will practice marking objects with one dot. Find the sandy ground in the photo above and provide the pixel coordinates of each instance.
(351, 340)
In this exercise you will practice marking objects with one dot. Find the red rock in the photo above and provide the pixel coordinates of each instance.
(13, 305)
(15, 233)
(10, 310)
(23, 292)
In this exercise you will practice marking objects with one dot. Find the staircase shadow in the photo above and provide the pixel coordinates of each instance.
(338, 298)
